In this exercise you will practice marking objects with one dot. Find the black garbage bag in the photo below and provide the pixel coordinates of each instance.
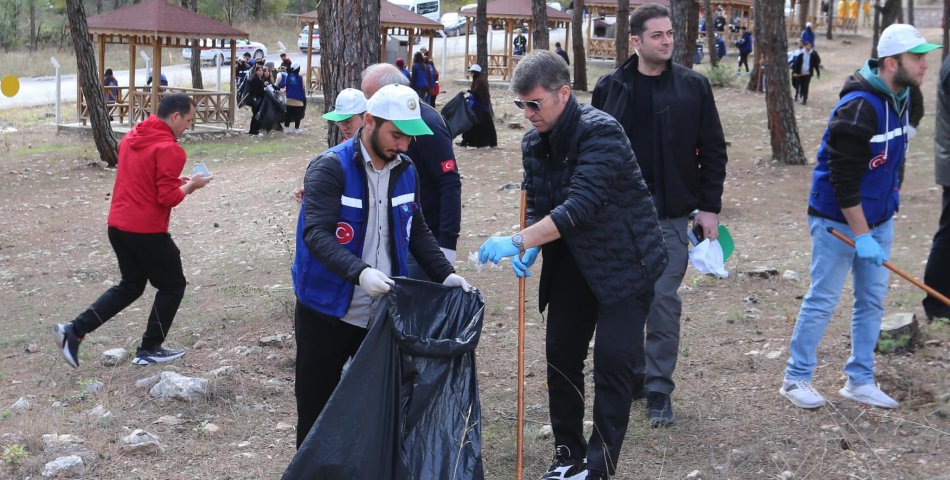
(459, 116)
(271, 111)
(244, 93)
(407, 408)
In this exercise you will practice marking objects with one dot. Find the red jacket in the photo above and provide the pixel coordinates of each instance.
(147, 180)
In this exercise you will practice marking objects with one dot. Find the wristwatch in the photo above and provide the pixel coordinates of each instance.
(518, 240)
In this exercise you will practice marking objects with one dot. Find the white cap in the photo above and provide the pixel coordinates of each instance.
(475, 68)
(900, 38)
(807, 24)
(400, 105)
(349, 102)
(295, 66)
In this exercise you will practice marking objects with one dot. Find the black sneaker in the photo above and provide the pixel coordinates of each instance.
(68, 343)
(660, 409)
(563, 467)
(158, 355)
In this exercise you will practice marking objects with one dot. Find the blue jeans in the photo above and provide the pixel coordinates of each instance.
(831, 260)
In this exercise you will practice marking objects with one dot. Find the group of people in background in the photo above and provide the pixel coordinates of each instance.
(804, 62)
(276, 94)
(423, 76)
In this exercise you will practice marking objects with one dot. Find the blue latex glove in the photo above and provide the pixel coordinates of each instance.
(521, 265)
(868, 249)
(496, 248)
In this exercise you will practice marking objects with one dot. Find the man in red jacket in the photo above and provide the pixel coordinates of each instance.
(148, 184)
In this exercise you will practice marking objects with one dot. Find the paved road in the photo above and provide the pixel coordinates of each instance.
(42, 90)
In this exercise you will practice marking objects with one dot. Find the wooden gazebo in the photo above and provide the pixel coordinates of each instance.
(605, 47)
(511, 14)
(393, 20)
(157, 24)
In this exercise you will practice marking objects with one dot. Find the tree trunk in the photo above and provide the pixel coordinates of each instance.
(711, 34)
(98, 7)
(910, 12)
(783, 131)
(755, 76)
(347, 47)
(481, 33)
(803, 6)
(117, 4)
(32, 25)
(577, 40)
(876, 28)
(539, 15)
(259, 7)
(91, 85)
(890, 13)
(946, 29)
(301, 6)
(622, 33)
(685, 18)
(830, 32)
(196, 80)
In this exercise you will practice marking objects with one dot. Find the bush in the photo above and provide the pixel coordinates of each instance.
(721, 76)
(14, 454)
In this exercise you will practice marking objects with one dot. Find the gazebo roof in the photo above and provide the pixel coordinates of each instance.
(613, 3)
(515, 9)
(392, 16)
(161, 19)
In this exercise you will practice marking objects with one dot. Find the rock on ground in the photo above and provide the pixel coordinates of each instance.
(69, 466)
(113, 357)
(141, 441)
(177, 386)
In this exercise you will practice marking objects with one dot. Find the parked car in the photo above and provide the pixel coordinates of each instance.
(302, 39)
(256, 49)
(453, 24)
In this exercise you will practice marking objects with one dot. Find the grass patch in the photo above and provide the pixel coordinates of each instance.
(48, 149)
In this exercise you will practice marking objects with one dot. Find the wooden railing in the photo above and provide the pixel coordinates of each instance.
(604, 48)
(316, 83)
(499, 65)
(117, 104)
(210, 106)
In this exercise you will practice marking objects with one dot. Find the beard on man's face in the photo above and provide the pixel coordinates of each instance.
(374, 144)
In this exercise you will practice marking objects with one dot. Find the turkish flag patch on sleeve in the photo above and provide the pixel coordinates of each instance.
(448, 166)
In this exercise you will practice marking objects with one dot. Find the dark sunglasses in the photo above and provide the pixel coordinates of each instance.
(535, 105)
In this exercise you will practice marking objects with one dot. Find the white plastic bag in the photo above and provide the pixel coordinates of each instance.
(707, 258)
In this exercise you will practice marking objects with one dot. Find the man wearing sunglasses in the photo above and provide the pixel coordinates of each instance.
(670, 117)
(590, 213)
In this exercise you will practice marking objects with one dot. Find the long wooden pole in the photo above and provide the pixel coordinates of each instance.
(901, 273)
(519, 460)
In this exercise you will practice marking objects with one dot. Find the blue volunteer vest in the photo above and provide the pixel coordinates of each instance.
(316, 285)
(880, 197)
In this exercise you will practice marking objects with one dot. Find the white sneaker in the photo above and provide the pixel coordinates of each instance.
(802, 394)
(287, 130)
(869, 394)
(299, 131)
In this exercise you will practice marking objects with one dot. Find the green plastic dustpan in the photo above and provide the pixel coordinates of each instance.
(726, 242)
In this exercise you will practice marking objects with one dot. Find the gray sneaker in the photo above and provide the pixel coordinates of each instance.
(869, 394)
(158, 355)
(802, 394)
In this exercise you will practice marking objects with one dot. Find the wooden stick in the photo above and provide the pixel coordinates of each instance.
(901, 273)
(519, 459)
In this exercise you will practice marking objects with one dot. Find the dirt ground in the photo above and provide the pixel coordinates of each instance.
(237, 240)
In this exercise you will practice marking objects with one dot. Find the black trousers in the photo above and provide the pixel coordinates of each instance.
(803, 83)
(324, 344)
(255, 125)
(574, 314)
(143, 257)
(743, 60)
(938, 264)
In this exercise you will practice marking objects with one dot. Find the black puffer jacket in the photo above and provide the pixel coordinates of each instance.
(585, 176)
(688, 130)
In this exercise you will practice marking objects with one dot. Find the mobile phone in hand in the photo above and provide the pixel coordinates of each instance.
(201, 169)
(696, 234)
